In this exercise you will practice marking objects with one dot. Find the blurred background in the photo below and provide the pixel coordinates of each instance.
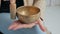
(51, 17)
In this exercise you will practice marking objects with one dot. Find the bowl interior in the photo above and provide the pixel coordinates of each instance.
(27, 10)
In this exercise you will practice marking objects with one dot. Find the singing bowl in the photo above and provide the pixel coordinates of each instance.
(28, 14)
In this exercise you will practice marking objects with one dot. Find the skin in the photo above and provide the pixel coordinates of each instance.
(18, 25)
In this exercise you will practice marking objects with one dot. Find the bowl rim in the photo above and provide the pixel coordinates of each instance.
(28, 6)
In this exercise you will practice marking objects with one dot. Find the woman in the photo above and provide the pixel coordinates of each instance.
(37, 3)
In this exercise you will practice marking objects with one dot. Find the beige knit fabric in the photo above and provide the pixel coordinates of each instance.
(37, 3)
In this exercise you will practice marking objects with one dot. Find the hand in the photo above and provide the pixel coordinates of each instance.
(18, 25)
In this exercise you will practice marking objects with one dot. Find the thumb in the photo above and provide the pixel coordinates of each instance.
(41, 26)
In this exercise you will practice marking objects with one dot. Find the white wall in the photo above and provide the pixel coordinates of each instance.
(48, 2)
(53, 2)
(52, 19)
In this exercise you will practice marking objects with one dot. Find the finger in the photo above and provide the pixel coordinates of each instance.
(25, 26)
(30, 25)
(18, 27)
(41, 26)
(13, 25)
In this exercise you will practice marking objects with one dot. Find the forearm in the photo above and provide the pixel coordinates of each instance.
(13, 8)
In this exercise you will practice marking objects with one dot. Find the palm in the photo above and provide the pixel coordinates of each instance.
(18, 25)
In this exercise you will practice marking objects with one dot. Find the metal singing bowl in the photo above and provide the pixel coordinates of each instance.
(28, 14)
